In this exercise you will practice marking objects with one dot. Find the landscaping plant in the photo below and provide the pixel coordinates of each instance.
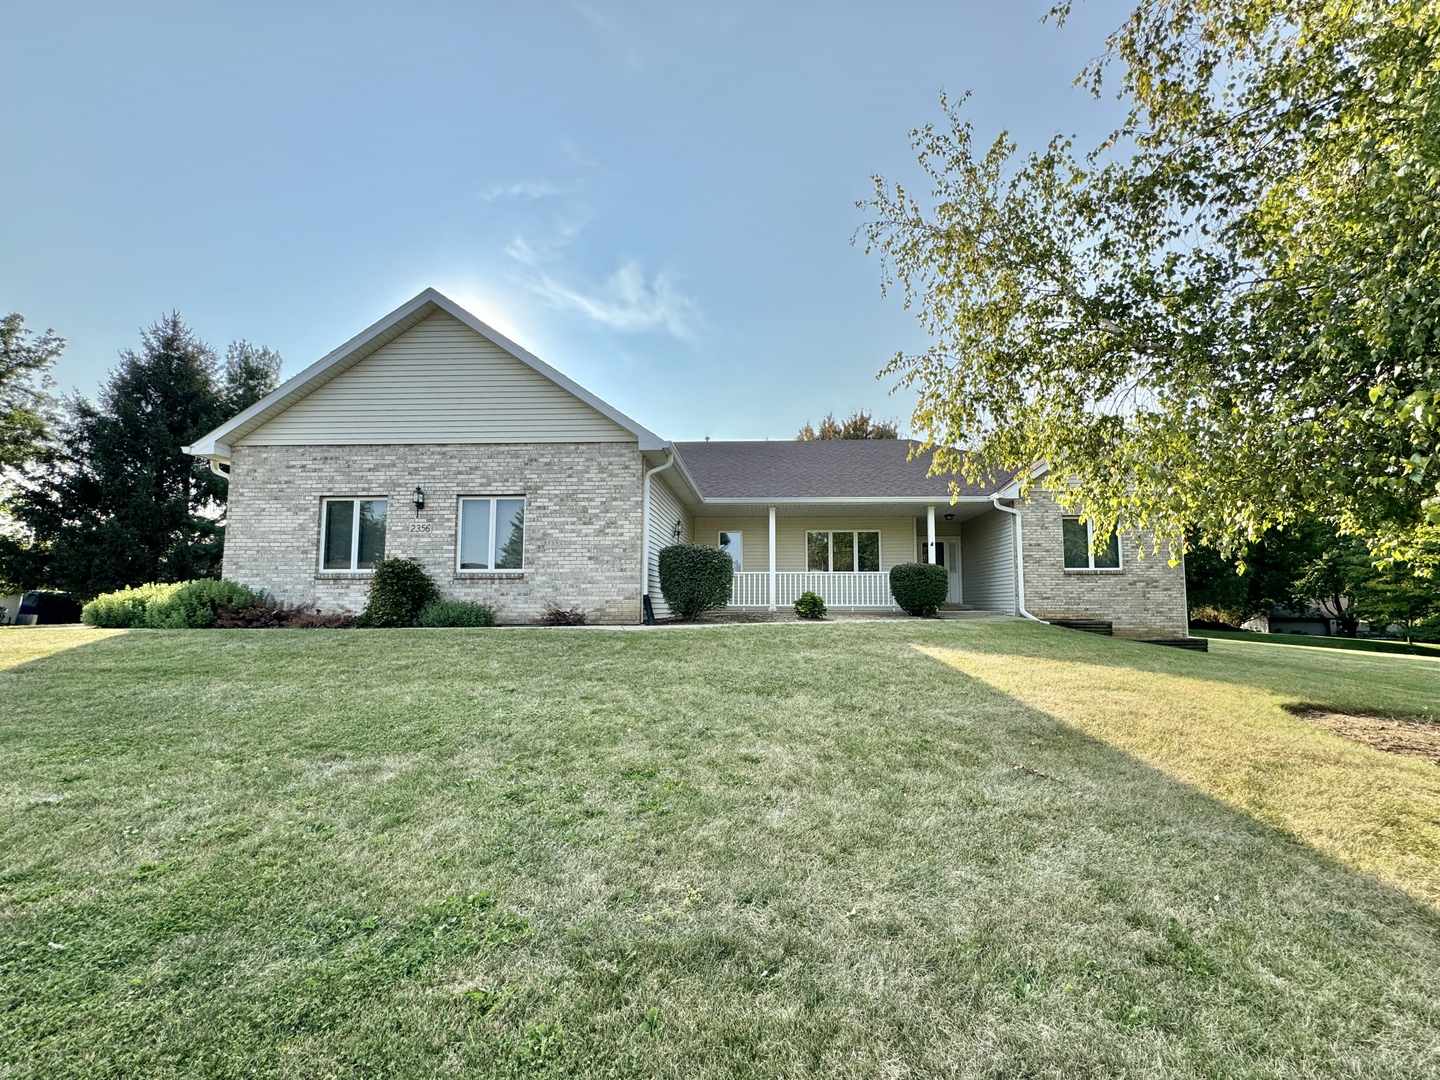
(810, 606)
(399, 591)
(695, 578)
(919, 588)
(455, 613)
(555, 615)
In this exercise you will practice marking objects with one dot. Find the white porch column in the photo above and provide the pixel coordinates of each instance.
(772, 558)
(929, 534)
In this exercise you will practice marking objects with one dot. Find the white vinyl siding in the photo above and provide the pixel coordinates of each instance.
(438, 382)
(665, 510)
(987, 562)
(897, 537)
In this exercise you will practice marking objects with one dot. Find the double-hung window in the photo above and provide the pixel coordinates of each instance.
(842, 552)
(1080, 550)
(352, 534)
(492, 534)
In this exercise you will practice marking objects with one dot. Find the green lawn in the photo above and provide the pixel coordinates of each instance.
(778, 851)
(1315, 641)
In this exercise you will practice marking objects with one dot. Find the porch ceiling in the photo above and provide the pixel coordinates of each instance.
(797, 508)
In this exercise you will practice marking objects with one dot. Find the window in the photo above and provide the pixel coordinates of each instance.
(353, 533)
(842, 552)
(1079, 550)
(492, 534)
(730, 543)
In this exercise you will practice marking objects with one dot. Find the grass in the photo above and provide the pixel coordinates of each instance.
(1316, 641)
(760, 851)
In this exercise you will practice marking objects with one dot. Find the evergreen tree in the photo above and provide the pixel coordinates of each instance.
(115, 501)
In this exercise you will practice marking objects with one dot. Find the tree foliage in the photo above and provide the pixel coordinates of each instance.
(25, 404)
(113, 500)
(1224, 317)
(1308, 566)
(858, 425)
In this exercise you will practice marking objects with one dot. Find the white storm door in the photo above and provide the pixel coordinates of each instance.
(952, 565)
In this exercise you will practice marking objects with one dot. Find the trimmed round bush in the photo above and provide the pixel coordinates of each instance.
(399, 591)
(810, 606)
(455, 613)
(695, 578)
(919, 588)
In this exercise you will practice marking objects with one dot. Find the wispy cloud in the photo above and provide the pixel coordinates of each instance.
(626, 301)
(521, 189)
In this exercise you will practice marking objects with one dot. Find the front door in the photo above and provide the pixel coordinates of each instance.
(952, 565)
(947, 554)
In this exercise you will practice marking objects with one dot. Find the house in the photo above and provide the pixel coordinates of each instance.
(429, 435)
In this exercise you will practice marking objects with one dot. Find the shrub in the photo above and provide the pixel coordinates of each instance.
(695, 578)
(455, 613)
(125, 608)
(399, 589)
(810, 606)
(315, 620)
(194, 605)
(555, 615)
(919, 588)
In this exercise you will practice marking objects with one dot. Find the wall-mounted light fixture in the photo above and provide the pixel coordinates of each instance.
(418, 498)
(677, 530)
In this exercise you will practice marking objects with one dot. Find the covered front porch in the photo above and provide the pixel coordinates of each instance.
(843, 551)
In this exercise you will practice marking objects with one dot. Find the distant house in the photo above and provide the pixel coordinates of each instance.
(431, 436)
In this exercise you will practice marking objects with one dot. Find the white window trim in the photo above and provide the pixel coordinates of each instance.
(1089, 550)
(732, 532)
(830, 550)
(356, 500)
(459, 537)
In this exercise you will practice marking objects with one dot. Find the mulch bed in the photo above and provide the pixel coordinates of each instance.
(1413, 738)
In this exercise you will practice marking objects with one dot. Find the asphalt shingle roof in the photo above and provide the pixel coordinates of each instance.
(821, 469)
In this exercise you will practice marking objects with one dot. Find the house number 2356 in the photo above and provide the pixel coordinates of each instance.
(419, 526)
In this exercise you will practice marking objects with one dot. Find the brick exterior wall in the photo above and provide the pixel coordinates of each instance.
(582, 521)
(1145, 599)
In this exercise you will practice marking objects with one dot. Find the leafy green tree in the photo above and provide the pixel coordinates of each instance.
(1228, 314)
(1395, 595)
(114, 501)
(858, 425)
(25, 404)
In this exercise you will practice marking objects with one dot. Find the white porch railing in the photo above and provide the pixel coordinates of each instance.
(839, 590)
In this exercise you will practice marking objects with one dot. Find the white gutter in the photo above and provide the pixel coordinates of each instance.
(1019, 559)
(645, 527)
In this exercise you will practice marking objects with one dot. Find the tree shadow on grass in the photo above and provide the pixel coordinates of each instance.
(1371, 683)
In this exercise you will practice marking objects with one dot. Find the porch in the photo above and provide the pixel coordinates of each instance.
(838, 589)
(844, 552)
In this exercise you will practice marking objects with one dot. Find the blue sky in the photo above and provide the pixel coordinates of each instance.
(658, 199)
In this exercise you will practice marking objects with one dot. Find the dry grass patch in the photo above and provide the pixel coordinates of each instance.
(1244, 746)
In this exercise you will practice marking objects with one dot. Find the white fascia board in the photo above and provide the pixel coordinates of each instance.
(1012, 489)
(817, 500)
(298, 386)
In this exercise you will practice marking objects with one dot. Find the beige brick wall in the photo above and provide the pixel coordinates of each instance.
(1144, 599)
(582, 521)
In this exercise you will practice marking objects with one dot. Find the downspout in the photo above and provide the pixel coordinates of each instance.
(1019, 558)
(645, 532)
